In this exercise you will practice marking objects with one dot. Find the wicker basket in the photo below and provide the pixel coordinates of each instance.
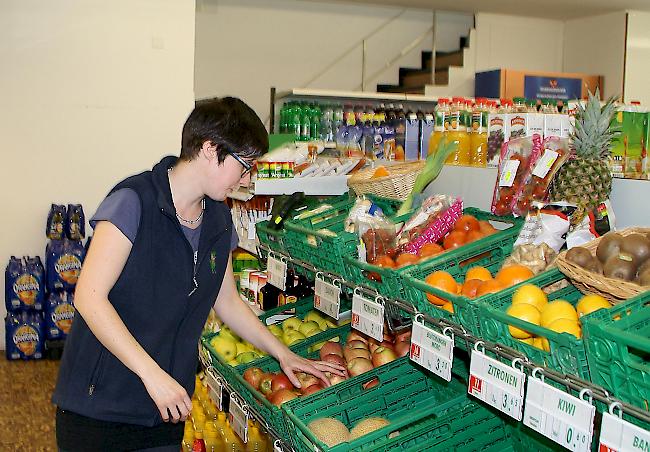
(397, 185)
(614, 290)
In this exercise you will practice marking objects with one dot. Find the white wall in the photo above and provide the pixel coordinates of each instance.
(450, 27)
(521, 43)
(637, 65)
(596, 45)
(92, 91)
(244, 47)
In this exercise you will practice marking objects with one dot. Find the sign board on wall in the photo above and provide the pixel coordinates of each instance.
(556, 88)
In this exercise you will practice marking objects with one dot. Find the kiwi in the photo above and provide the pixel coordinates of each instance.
(644, 266)
(609, 245)
(620, 266)
(595, 266)
(638, 246)
(644, 277)
(580, 256)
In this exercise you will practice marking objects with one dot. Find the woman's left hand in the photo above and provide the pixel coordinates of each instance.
(291, 363)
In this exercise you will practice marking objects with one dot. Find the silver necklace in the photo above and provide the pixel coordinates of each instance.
(197, 219)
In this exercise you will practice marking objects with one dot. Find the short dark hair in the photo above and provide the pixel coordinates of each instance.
(227, 123)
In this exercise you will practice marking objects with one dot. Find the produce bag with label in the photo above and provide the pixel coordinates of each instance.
(555, 151)
(377, 236)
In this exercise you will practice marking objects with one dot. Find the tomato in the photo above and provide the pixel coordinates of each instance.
(467, 223)
(454, 240)
(280, 381)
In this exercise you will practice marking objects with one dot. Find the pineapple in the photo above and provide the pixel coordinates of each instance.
(586, 179)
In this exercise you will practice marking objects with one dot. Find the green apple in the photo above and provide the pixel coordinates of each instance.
(307, 327)
(224, 347)
(316, 347)
(228, 334)
(247, 357)
(233, 363)
(322, 323)
(292, 337)
(314, 315)
(313, 332)
(292, 323)
(275, 330)
(330, 324)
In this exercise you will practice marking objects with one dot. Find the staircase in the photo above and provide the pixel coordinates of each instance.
(415, 80)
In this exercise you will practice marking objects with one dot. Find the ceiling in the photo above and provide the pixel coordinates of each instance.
(552, 9)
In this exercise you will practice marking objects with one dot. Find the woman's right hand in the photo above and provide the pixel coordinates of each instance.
(170, 397)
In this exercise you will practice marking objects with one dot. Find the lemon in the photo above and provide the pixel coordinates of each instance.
(525, 312)
(591, 303)
(448, 307)
(530, 294)
(558, 309)
(538, 342)
(566, 326)
(529, 341)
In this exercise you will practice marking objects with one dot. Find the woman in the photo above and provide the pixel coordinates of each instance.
(158, 262)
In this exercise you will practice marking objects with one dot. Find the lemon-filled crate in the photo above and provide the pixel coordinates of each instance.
(319, 237)
(618, 350)
(277, 316)
(425, 413)
(562, 352)
(391, 281)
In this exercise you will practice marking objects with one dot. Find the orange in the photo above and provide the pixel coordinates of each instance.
(558, 309)
(473, 236)
(514, 274)
(490, 286)
(448, 307)
(430, 249)
(486, 228)
(467, 223)
(525, 312)
(383, 261)
(443, 281)
(454, 239)
(381, 171)
(406, 259)
(470, 287)
(481, 273)
(532, 295)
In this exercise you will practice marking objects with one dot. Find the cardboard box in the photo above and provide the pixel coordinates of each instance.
(509, 83)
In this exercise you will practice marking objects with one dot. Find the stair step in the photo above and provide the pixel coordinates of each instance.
(442, 77)
(427, 59)
(416, 78)
(446, 59)
(464, 42)
(400, 89)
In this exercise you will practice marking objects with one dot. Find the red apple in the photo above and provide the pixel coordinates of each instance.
(402, 348)
(334, 379)
(306, 379)
(253, 375)
(331, 348)
(356, 344)
(334, 359)
(356, 336)
(387, 336)
(280, 381)
(280, 396)
(383, 356)
(356, 353)
(312, 389)
(403, 337)
(387, 344)
(265, 384)
(357, 366)
(371, 384)
(373, 344)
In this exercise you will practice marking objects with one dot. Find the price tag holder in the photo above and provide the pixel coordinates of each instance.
(618, 435)
(276, 446)
(561, 417)
(368, 316)
(277, 272)
(432, 350)
(508, 173)
(215, 387)
(496, 383)
(545, 163)
(238, 417)
(327, 297)
(204, 356)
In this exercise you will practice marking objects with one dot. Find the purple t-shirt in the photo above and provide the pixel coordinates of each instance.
(122, 208)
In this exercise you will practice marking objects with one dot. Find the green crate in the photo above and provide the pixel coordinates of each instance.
(272, 238)
(426, 413)
(618, 350)
(567, 354)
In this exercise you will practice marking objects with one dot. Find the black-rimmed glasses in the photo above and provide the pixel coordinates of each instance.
(247, 166)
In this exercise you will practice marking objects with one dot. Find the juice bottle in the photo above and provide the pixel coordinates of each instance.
(441, 115)
(458, 132)
(232, 442)
(188, 437)
(256, 442)
(212, 438)
(479, 133)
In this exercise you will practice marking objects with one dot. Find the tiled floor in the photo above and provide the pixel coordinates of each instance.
(27, 415)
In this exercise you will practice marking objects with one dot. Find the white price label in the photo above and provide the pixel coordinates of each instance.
(277, 272)
(238, 418)
(215, 388)
(508, 173)
(432, 350)
(327, 298)
(567, 420)
(545, 163)
(368, 317)
(497, 384)
(618, 435)
(204, 356)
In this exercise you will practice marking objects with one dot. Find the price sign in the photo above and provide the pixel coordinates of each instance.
(327, 297)
(567, 420)
(432, 350)
(368, 316)
(618, 435)
(497, 384)
(545, 163)
(215, 388)
(277, 272)
(508, 173)
(238, 418)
